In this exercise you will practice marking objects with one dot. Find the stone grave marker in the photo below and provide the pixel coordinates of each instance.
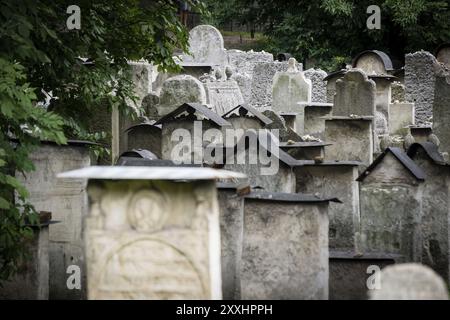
(152, 232)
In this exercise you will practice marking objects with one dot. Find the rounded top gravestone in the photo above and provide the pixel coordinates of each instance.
(178, 90)
(409, 281)
(206, 46)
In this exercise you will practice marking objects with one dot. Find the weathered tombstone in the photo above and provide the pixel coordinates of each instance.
(315, 115)
(443, 54)
(355, 95)
(67, 202)
(337, 179)
(420, 81)
(288, 89)
(251, 144)
(189, 121)
(244, 82)
(409, 281)
(178, 90)
(390, 200)
(141, 72)
(31, 282)
(152, 232)
(285, 249)
(263, 74)
(206, 46)
(350, 271)
(223, 95)
(231, 209)
(435, 207)
(401, 116)
(441, 113)
(373, 62)
(319, 86)
(144, 136)
(351, 139)
(398, 92)
(244, 61)
(286, 132)
(331, 84)
(149, 105)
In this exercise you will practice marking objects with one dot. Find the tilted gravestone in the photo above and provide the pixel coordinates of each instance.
(178, 90)
(420, 81)
(355, 95)
(409, 281)
(152, 232)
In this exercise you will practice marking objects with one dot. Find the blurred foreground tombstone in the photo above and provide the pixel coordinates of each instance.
(152, 232)
(410, 281)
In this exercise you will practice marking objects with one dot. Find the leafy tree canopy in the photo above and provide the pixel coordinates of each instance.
(40, 56)
(330, 31)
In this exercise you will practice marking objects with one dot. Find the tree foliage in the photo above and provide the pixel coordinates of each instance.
(41, 57)
(333, 30)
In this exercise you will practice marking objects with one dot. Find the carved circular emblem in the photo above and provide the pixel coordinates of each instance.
(147, 210)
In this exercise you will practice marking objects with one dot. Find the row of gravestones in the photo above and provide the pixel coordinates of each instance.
(352, 113)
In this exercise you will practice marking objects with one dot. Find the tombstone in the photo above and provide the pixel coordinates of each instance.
(231, 209)
(350, 271)
(262, 80)
(152, 232)
(31, 282)
(373, 62)
(144, 136)
(67, 202)
(284, 128)
(441, 113)
(443, 54)
(141, 73)
(223, 95)
(398, 91)
(355, 95)
(190, 120)
(319, 86)
(285, 247)
(409, 281)
(288, 89)
(351, 139)
(244, 82)
(339, 180)
(401, 116)
(238, 159)
(420, 81)
(178, 90)
(243, 62)
(149, 106)
(390, 200)
(315, 115)
(206, 46)
(331, 84)
(435, 207)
